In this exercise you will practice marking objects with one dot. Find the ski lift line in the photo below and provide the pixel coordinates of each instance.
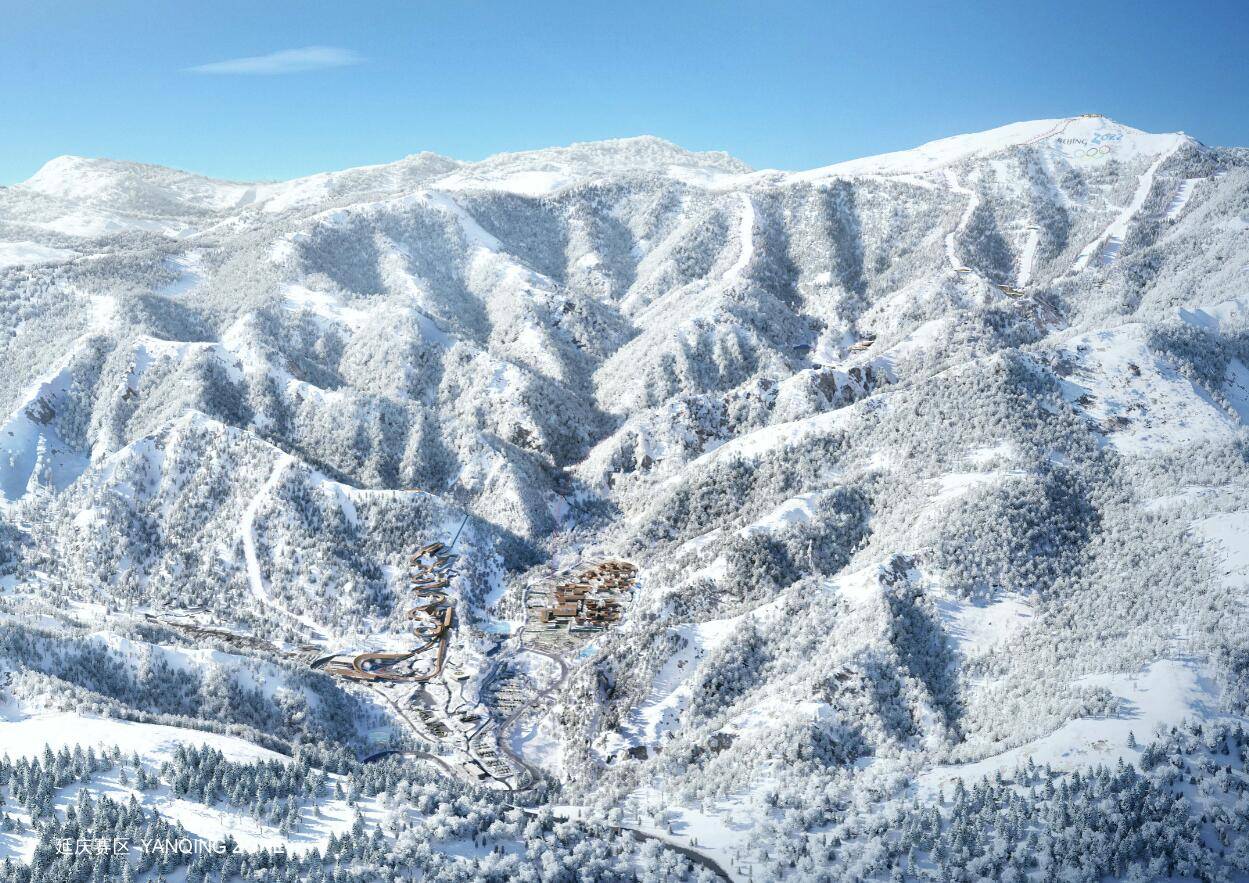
(456, 538)
(1060, 128)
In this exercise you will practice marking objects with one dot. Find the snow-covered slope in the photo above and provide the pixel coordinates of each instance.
(931, 463)
(1073, 137)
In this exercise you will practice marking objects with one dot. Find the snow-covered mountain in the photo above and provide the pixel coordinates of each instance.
(934, 465)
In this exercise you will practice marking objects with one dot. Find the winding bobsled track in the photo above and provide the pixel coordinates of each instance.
(430, 571)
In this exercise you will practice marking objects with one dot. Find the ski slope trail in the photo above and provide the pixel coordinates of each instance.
(973, 203)
(1106, 246)
(1181, 198)
(255, 578)
(646, 721)
(1028, 257)
(746, 232)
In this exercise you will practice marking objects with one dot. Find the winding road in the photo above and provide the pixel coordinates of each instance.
(500, 735)
(433, 621)
(407, 752)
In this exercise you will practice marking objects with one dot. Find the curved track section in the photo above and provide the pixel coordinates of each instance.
(430, 571)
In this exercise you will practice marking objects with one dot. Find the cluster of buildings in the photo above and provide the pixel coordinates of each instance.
(589, 602)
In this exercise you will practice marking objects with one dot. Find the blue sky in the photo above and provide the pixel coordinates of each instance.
(275, 89)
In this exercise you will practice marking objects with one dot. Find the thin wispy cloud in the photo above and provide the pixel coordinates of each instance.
(287, 61)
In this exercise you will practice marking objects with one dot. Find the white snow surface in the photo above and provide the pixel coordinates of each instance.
(950, 151)
(973, 202)
(1164, 694)
(1185, 192)
(15, 254)
(91, 197)
(1027, 257)
(669, 692)
(1142, 401)
(1139, 400)
(31, 448)
(247, 530)
(25, 731)
(978, 627)
(1106, 246)
(1229, 533)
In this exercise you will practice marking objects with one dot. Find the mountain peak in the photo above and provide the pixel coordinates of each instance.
(642, 151)
(1069, 136)
(69, 175)
(132, 187)
(535, 172)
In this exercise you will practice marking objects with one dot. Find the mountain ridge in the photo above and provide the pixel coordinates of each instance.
(48, 178)
(934, 461)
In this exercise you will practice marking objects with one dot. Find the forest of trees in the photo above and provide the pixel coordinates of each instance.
(895, 517)
(96, 836)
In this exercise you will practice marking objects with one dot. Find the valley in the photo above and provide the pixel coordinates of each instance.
(872, 521)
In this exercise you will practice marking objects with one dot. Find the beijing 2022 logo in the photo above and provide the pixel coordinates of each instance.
(1096, 146)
